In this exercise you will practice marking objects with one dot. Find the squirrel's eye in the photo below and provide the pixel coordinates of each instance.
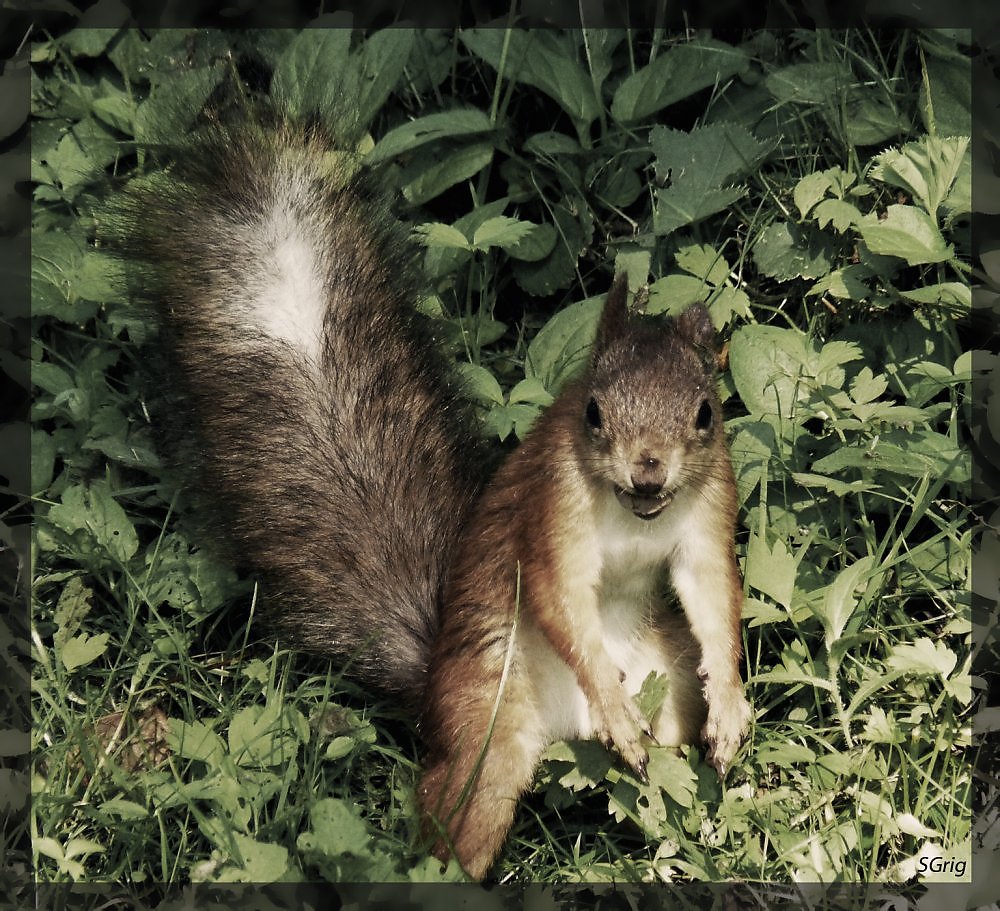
(593, 414)
(704, 419)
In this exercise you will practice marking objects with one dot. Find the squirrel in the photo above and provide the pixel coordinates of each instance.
(555, 609)
(314, 419)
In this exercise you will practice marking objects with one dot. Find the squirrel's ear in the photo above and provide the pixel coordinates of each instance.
(695, 325)
(614, 315)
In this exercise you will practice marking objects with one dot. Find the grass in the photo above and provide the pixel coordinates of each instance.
(172, 744)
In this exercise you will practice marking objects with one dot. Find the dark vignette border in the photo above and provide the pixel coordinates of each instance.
(20, 18)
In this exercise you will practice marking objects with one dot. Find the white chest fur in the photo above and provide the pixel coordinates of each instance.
(623, 560)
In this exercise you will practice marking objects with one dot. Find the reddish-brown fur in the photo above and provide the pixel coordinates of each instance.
(554, 574)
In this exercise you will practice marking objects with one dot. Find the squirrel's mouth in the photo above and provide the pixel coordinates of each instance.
(641, 506)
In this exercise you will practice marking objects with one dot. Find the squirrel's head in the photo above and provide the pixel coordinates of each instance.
(652, 420)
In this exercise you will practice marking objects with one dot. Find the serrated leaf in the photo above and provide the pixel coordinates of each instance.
(478, 383)
(501, 231)
(927, 168)
(924, 657)
(536, 243)
(699, 164)
(703, 261)
(837, 212)
(312, 63)
(906, 232)
(675, 293)
(674, 75)
(71, 610)
(435, 234)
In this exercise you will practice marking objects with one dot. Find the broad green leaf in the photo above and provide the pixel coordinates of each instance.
(435, 234)
(674, 293)
(906, 232)
(195, 740)
(432, 173)
(430, 128)
(841, 599)
(379, 63)
(699, 165)
(703, 261)
(785, 251)
(478, 383)
(955, 295)
(501, 231)
(311, 66)
(947, 109)
(771, 570)
(259, 862)
(546, 59)
(766, 366)
(95, 512)
(674, 75)
(335, 828)
(82, 650)
(562, 345)
(809, 83)
(536, 243)
(810, 190)
(836, 212)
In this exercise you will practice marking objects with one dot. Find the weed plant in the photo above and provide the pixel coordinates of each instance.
(813, 188)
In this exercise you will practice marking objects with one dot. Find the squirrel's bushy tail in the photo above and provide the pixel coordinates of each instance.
(319, 426)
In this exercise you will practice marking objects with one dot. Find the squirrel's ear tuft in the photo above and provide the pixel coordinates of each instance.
(695, 326)
(614, 316)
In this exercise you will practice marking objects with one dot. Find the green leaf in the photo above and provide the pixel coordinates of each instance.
(71, 610)
(698, 165)
(315, 61)
(674, 75)
(947, 109)
(841, 599)
(926, 169)
(259, 862)
(379, 63)
(838, 213)
(478, 383)
(809, 83)
(954, 295)
(430, 128)
(335, 829)
(195, 740)
(810, 190)
(543, 58)
(562, 345)
(501, 231)
(432, 173)
(435, 234)
(537, 242)
(675, 293)
(766, 364)
(924, 657)
(906, 232)
(82, 650)
(785, 251)
(95, 513)
(771, 570)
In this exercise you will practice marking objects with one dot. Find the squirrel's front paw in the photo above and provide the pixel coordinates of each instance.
(725, 729)
(621, 728)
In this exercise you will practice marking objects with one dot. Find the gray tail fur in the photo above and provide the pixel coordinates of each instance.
(313, 417)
